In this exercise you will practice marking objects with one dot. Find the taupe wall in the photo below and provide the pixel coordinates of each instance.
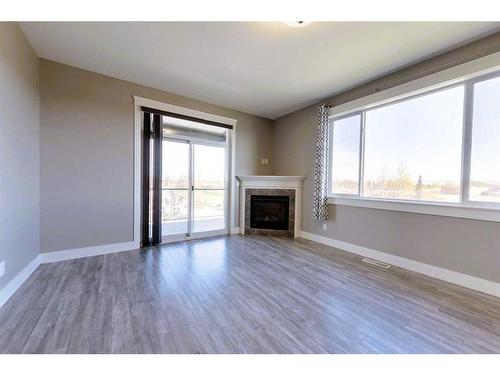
(471, 51)
(19, 139)
(86, 165)
(467, 246)
(86, 154)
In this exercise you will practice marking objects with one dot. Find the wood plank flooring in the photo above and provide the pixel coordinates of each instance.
(243, 294)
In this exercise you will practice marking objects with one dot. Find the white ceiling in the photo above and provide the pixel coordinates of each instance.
(263, 68)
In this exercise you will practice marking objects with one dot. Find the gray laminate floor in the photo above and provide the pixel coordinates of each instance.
(243, 295)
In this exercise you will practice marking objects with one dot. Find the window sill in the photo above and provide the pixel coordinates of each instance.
(426, 208)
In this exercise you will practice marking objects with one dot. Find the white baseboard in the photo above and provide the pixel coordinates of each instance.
(467, 281)
(58, 256)
(471, 282)
(17, 281)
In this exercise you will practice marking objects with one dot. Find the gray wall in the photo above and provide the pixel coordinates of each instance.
(19, 139)
(462, 245)
(86, 165)
(86, 154)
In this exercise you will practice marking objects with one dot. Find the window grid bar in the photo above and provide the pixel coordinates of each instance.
(361, 181)
(467, 142)
(190, 194)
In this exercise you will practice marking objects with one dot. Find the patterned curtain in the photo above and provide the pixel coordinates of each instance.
(320, 189)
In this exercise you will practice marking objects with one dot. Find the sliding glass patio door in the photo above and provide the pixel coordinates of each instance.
(194, 193)
(209, 192)
(176, 188)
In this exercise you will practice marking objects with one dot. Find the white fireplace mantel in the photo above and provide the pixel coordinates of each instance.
(272, 182)
(284, 182)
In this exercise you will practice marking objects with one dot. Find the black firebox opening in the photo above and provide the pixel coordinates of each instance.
(269, 211)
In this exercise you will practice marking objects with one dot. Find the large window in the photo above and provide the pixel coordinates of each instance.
(413, 148)
(442, 146)
(485, 152)
(345, 155)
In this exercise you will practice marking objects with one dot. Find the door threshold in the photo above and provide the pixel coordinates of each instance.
(192, 238)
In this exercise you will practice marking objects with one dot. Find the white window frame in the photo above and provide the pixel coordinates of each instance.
(465, 208)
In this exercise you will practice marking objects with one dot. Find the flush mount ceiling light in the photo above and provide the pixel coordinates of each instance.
(298, 23)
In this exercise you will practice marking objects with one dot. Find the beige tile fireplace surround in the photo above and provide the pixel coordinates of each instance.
(290, 186)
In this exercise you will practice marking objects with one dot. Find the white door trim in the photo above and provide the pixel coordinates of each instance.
(138, 102)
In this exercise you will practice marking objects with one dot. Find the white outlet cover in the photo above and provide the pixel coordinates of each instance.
(325, 226)
(2, 268)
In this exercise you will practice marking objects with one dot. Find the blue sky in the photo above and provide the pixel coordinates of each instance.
(423, 135)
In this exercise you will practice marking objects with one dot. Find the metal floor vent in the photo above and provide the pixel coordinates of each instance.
(376, 263)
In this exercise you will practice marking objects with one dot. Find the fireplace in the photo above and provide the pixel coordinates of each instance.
(269, 212)
(270, 205)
